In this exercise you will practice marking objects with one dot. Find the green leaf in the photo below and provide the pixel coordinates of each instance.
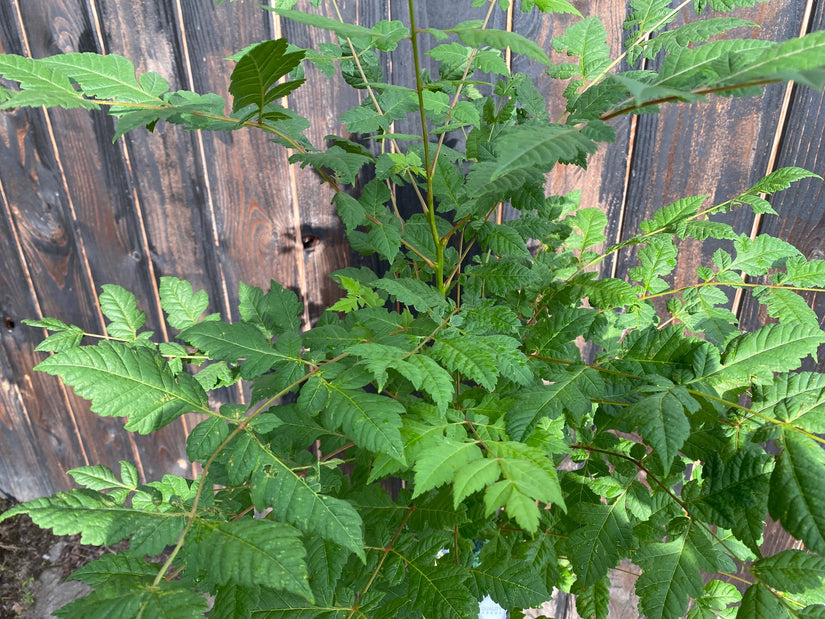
(234, 342)
(120, 307)
(474, 476)
(440, 592)
(780, 179)
(182, 305)
(412, 292)
(509, 582)
(570, 392)
(500, 277)
(123, 380)
(425, 373)
(249, 552)
(791, 570)
(691, 33)
(798, 399)
(385, 238)
(549, 6)
(254, 81)
(172, 600)
(772, 348)
(788, 307)
(437, 466)
(501, 39)
(100, 520)
(277, 311)
(667, 218)
(589, 224)
(593, 602)
(540, 147)
(759, 602)
(586, 39)
(342, 29)
(672, 572)
(755, 257)
(602, 537)
(795, 497)
(40, 84)
(293, 500)
(661, 420)
(345, 164)
(373, 421)
(115, 567)
(717, 596)
(458, 354)
(99, 477)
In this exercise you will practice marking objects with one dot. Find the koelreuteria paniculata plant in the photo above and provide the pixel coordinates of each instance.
(525, 466)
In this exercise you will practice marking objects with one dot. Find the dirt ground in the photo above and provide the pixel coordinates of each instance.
(33, 565)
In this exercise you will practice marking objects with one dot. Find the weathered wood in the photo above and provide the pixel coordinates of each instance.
(44, 234)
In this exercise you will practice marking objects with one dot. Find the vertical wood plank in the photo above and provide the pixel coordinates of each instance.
(322, 100)
(102, 206)
(257, 235)
(41, 227)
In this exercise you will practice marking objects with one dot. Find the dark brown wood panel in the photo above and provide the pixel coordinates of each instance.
(42, 230)
(249, 193)
(321, 237)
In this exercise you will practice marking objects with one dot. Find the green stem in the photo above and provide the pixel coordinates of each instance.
(430, 202)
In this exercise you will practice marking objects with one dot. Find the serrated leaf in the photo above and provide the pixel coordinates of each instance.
(474, 476)
(717, 596)
(789, 307)
(183, 306)
(586, 39)
(254, 81)
(171, 600)
(437, 466)
(293, 500)
(458, 354)
(499, 277)
(120, 307)
(798, 399)
(426, 374)
(549, 6)
(667, 217)
(590, 224)
(759, 602)
(592, 602)
(342, 29)
(235, 342)
(249, 552)
(440, 592)
(755, 257)
(373, 421)
(40, 84)
(385, 238)
(769, 349)
(672, 572)
(101, 520)
(277, 311)
(602, 537)
(99, 477)
(795, 497)
(345, 164)
(123, 380)
(662, 421)
(510, 583)
(412, 292)
(501, 39)
(780, 179)
(569, 392)
(114, 567)
(539, 147)
(791, 570)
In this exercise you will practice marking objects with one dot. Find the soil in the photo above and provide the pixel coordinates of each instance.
(33, 565)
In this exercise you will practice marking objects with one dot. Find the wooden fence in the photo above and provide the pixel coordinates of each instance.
(78, 211)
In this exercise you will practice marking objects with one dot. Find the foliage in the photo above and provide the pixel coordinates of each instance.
(525, 464)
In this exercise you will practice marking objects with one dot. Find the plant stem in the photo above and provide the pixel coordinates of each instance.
(430, 206)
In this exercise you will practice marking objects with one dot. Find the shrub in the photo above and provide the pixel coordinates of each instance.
(525, 465)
